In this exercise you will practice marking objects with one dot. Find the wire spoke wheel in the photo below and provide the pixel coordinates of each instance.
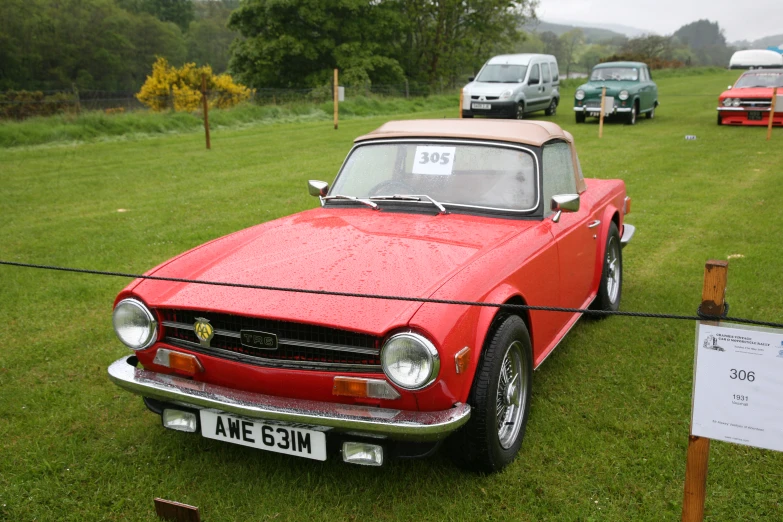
(612, 267)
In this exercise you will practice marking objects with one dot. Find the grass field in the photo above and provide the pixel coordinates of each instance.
(609, 426)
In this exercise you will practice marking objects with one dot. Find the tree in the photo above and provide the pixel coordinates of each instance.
(707, 41)
(179, 12)
(570, 46)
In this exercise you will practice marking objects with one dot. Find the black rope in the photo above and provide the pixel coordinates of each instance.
(502, 306)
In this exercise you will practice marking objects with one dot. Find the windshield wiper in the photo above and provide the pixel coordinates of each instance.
(414, 197)
(351, 198)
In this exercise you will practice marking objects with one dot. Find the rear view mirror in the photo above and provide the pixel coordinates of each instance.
(317, 188)
(564, 203)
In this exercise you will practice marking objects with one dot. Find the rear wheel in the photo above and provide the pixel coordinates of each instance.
(651, 114)
(552, 109)
(611, 284)
(499, 400)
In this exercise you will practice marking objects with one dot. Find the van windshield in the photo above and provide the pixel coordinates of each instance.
(502, 73)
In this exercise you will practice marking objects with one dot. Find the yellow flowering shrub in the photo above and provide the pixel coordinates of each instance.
(182, 87)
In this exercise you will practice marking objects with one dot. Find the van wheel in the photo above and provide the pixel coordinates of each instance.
(552, 110)
(521, 111)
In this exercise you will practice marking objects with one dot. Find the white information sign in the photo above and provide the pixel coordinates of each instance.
(433, 160)
(738, 385)
(608, 105)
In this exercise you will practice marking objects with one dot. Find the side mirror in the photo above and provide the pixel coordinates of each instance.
(729, 87)
(533, 82)
(564, 203)
(317, 188)
(471, 78)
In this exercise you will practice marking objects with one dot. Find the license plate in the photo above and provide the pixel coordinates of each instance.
(754, 115)
(291, 439)
(484, 106)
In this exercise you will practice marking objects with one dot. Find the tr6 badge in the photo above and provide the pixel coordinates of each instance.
(258, 340)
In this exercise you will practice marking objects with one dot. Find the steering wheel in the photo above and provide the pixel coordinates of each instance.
(391, 187)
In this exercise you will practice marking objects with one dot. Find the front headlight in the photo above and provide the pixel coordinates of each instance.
(580, 95)
(727, 102)
(735, 102)
(623, 95)
(410, 361)
(134, 324)
(505, 95)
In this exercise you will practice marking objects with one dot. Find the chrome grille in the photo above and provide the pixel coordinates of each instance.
(487, 98)
(756, 103)
(300, 346)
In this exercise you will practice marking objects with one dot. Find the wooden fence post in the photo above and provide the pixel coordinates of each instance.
(206, 107)
(772, 112)
(336, 98)
(712, 303)
(601, 117)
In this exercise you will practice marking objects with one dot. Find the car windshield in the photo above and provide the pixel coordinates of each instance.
(451, 173)
(502, 73)
(760, 79)
(614, 73)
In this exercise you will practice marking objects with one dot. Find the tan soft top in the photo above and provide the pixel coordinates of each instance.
(534, 133)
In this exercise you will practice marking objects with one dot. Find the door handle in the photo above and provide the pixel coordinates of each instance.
(594, 223)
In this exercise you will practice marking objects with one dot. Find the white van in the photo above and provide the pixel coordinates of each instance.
(513, 85)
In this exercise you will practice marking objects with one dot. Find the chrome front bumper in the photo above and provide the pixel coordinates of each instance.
(395, 424)
(598, 109)
(628, 232)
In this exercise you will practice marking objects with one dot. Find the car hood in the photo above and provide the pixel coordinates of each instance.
(490, 89)
(340, 250)
(612, 87)
(748, 92)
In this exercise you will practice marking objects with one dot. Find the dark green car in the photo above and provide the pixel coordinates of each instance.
(628, 83)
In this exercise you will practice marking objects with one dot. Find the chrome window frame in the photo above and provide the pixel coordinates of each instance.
(458, 141)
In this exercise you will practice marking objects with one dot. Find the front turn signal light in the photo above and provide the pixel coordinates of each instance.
(462, 359)
(178, 361)
(627, 206)
(363, 388)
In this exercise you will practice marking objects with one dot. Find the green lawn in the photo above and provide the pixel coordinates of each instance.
(609, 426)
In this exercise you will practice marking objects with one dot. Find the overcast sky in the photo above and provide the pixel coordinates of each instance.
(740, 20)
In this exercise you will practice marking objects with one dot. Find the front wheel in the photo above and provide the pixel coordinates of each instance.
(580, 117)
(611, 285)
(632, 115)
(521, 111)
(499, 400)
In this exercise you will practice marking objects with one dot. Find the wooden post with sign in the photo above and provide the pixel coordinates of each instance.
(601, 117)
(336, 98)
(176, 511)
(772, 112)
(206, 108)
(712, 303)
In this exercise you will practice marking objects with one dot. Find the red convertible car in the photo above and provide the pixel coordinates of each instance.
(490, 211)
(749, 101)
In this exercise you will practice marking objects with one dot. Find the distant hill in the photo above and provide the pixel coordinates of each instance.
(592, 34)
(611, 30)
(761, 43)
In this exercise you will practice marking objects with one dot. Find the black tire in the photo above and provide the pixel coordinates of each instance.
(580, 117)
(552, 109)
(467, 115)
(520, 111)
(632, 115)
(501, 387)
(391, 187)
(650, 115)
(611, 285)
(720, 120)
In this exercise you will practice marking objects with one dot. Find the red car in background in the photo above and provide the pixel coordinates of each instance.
(748, 102)
(467, 210)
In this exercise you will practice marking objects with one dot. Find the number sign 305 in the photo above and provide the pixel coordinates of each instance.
(433, 160)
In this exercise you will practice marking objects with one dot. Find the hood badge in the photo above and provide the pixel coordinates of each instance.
(258, 340)
(204, 331)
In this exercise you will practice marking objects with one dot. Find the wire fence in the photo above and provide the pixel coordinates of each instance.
(20, 105)
(700, 316)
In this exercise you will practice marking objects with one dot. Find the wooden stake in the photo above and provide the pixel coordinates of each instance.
(206, 107)
(772, 112)
(712, 303)
(601, 117)
(176, 511)
(336, 98)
